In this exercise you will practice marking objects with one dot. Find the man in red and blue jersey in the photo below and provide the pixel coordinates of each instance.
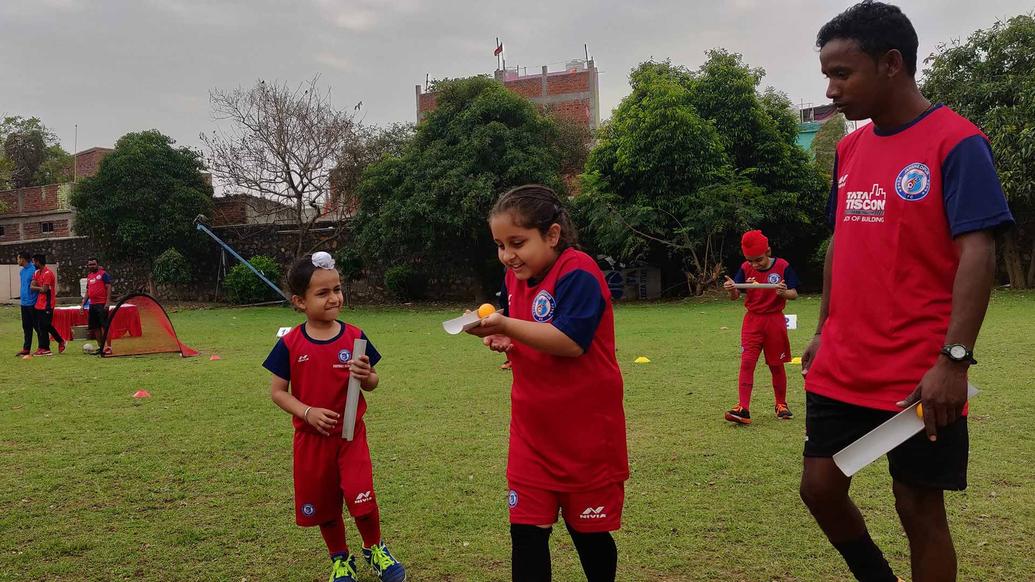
(915, 202)
(98, 293)
(45, 284)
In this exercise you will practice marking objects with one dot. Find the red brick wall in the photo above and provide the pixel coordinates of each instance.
(88, 162)
(579, 110)
(576, 82)
(37, 199)
(229, 210)
(428, 102)
(32, 229)
(528, 87)
(10, 232)
(10, 200)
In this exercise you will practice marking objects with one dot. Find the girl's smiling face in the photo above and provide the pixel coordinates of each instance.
(526, 251)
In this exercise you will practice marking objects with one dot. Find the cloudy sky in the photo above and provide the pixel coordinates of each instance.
(114, 66)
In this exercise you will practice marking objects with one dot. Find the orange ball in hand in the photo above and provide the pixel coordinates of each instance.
(485, 310)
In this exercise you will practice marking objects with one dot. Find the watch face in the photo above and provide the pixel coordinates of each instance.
(958, 352)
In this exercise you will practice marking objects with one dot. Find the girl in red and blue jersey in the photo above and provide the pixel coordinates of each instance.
(765, 327)
(311, 367)
(567, 449)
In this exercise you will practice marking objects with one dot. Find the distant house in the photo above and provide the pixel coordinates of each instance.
(44, 212)
(239, 209)
(572, 93)
(811, 119)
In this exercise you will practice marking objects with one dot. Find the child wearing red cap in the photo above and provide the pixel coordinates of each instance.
(765, 328)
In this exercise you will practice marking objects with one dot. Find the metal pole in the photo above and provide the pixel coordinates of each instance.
(230, 250)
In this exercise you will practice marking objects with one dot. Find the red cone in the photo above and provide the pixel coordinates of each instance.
(142, 394)
(214, 358)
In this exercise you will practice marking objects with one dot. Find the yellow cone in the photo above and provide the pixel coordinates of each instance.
(642, 360)
(796, 361)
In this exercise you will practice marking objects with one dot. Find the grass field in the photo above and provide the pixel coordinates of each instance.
(195, 482)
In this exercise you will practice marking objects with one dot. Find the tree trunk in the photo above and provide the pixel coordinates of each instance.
(1012, 261)
(1031, 266)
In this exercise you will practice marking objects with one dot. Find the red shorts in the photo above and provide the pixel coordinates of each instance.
(765, 332)
(328, 471)
(593, 511)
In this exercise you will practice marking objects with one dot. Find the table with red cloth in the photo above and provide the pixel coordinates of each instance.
(128, 323)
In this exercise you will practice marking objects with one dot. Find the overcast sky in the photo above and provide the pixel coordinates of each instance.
(115, 66)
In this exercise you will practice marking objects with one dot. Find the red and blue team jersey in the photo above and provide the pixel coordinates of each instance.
(96, 287)
(45, 277)
(898, 200)
(317, 371)
(567, 425)
(766, 300)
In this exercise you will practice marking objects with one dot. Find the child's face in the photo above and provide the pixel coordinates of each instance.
(526, 251)
(323, 298)
(760, 262)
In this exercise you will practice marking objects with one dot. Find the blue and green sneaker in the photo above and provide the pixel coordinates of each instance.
(343, 568)
(387, 568)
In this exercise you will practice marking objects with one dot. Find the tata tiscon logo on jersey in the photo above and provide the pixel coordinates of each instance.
(862, 206)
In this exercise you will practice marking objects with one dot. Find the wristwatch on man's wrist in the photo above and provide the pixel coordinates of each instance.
(958, 353)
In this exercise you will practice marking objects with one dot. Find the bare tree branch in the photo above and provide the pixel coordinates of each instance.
(281, 145)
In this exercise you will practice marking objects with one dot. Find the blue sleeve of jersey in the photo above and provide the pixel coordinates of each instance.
(279, 361)
(504, 301)
(106, 278)
(580, 305)
(372, 353)
(832, 198)
(740, 277)
(790, 277)
(974, 198)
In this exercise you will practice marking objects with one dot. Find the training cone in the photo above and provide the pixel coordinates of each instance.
(142, 394)
(26, 357)
(642, 360)
(796, 361)
(214, 358)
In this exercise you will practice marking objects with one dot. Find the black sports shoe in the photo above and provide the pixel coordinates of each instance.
(739, 415)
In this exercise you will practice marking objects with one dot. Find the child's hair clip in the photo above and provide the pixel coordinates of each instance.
(323, 260)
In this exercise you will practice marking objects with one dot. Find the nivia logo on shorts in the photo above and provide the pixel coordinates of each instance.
(363, 497)
(593, 513)
(913, 182)
(308, 509)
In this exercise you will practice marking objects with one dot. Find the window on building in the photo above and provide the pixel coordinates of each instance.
(46, 227)
(2, 230)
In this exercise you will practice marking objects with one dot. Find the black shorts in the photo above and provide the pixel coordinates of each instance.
(98, 317)
(831, 425)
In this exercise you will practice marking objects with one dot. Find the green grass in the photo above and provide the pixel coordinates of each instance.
(195, 482)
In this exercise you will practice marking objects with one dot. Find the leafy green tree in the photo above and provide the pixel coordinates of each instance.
(32, 155)
(990, 79)
(824, 146)
(171, 268)
(143, 198)
(427, 207)
(690, 159)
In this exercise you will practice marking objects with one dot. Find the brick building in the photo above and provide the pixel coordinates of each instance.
(238, 209)
(40, 212)
(573, 93)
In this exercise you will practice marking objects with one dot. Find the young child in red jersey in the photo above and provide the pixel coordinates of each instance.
(315, 359)
(765, 328)
(567, 430)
